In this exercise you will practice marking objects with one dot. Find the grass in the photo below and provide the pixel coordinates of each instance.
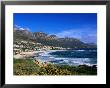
(28, 67)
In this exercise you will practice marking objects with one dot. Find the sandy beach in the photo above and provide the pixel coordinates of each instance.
(24, 55)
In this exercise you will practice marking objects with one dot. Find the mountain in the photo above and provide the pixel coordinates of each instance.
(23, 35)
(50, 40)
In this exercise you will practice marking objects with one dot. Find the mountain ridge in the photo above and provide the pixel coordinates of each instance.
(51, 40)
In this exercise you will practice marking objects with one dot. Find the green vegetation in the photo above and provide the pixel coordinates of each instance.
(28, 67)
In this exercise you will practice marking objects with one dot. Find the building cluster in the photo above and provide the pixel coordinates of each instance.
(29, 46)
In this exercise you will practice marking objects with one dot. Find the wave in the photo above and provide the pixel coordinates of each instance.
(73, 61)
(79, 50)
(47, 57)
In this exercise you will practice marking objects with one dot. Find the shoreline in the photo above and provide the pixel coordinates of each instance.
(23, 55)
(46, 59)
(55, 59)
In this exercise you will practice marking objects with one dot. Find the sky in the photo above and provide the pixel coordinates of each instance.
(77, 25)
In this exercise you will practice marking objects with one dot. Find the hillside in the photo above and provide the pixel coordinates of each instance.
(50, 40)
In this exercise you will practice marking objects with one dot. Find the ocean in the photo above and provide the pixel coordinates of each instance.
(70, 57)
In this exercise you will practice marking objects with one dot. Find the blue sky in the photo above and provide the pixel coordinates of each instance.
(78, 25)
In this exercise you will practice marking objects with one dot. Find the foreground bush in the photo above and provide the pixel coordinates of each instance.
(28, 67)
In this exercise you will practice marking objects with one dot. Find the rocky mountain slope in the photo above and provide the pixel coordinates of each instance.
(51, 40)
